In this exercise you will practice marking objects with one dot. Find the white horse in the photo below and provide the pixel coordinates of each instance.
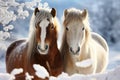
(83, 51)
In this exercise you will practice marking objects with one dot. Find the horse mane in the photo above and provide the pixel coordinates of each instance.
(42, 14)
(73, 15)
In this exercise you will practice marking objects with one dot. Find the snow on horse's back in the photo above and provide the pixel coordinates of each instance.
(80, 45)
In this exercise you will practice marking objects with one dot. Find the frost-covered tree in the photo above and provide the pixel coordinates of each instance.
(14, 20)
(105, 19)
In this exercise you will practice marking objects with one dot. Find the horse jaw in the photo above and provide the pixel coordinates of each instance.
(75, 56)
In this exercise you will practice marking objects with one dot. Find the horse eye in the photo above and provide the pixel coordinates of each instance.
(52, 27)
(67, 29)
(48, 19)
(83, 28)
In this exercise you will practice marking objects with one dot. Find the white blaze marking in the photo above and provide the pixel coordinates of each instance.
(44, 23)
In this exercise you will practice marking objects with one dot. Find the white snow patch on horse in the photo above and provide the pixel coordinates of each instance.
(41, 72)
(16, 71)
(84, 63)
(28, 76)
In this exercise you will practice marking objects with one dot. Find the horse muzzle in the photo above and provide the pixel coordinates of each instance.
(75, 52)
(43, 50)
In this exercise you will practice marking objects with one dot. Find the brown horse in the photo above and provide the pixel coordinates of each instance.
(40, 48)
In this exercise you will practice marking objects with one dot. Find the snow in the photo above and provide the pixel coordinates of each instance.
(104, 19)
(9, 27)
(84, 63)
(41, 72)
(22, 13)
(6, 16)
(28, 76)
(4, 35)
(6, 76)
(63, 76)
(11, 76)
(21, 48)
(110, 75)
(16, 71)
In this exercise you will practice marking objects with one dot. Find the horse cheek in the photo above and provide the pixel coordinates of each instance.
(53, 37)
(47, 39)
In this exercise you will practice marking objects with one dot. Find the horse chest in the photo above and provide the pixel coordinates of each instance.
(42, 60)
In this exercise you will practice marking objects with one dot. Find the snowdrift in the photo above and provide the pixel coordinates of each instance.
(109, 75)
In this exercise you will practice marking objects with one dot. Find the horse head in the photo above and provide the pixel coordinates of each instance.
(45, 29)
(76, 30)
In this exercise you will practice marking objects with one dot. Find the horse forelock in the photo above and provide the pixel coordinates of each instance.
(45, 14)
(72, 17)
(42, 14)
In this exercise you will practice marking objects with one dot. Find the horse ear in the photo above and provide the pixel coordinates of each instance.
(53, 12)
(65, 12)
(36, 10)
(84, 13)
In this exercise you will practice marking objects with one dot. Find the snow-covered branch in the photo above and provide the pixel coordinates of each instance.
(10, 11)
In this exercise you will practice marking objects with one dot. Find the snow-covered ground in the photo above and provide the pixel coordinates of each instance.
(104, 19)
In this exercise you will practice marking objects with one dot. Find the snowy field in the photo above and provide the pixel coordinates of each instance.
(104, 19)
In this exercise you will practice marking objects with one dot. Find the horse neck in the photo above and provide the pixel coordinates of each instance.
(53, 48)
(85, 48)
(64, 46)
(66, 55)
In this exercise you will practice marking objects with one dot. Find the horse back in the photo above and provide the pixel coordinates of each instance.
(100, 40)
(13, 55)
(11, 47)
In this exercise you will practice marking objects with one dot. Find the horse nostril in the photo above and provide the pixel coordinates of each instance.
(38, 47)
(46, 47)
(71, 49)
(78, 50)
